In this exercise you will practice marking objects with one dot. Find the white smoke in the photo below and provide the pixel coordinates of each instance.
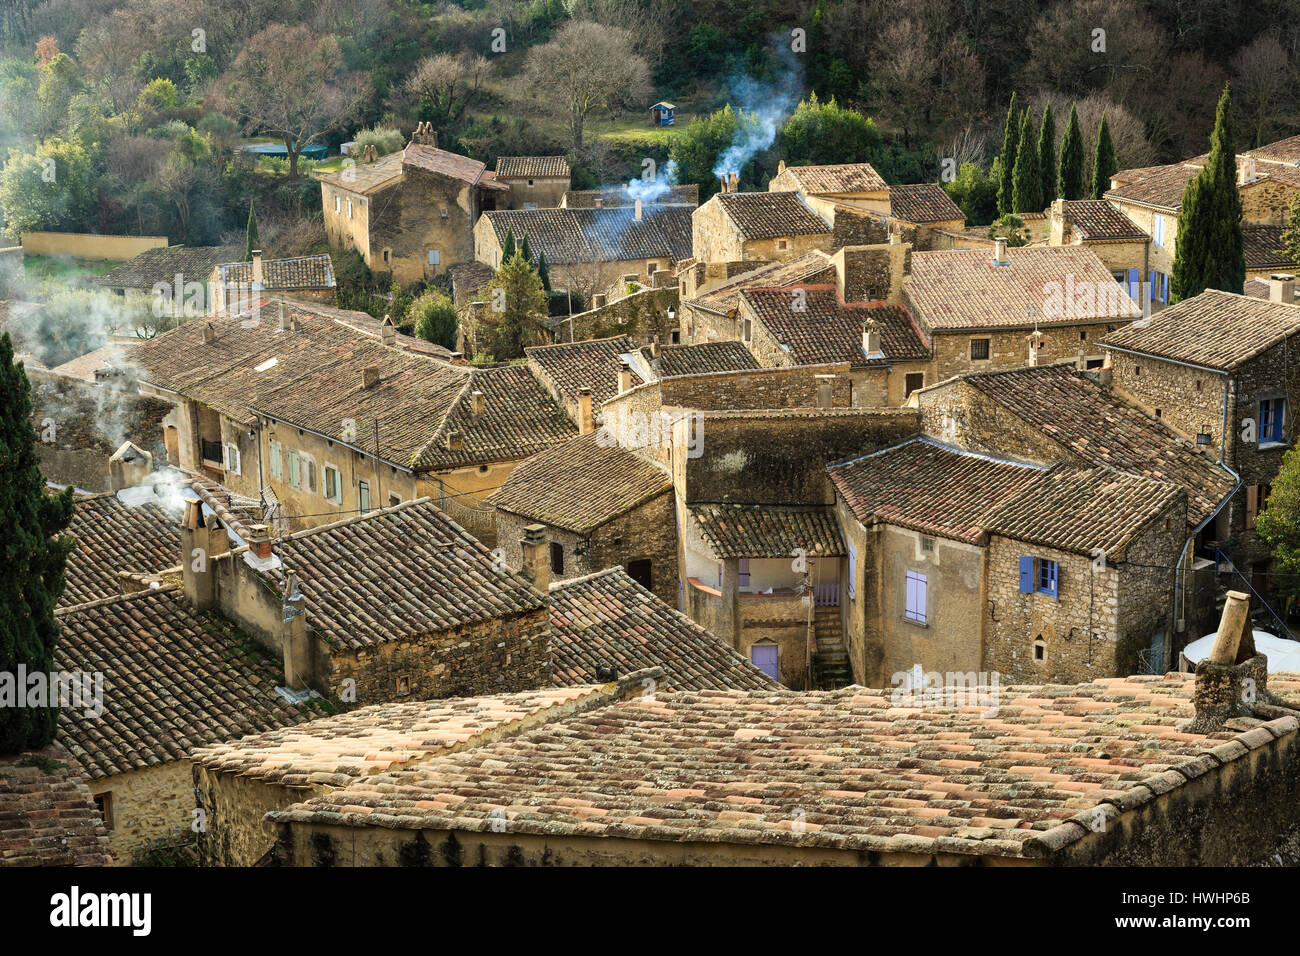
(650, 189)
(762, 107)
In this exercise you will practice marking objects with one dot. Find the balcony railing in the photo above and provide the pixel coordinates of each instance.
(827, 593)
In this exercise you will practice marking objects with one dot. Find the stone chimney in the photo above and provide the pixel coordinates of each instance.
(369, 376)
(203, 537)
(871, 338)
(780, 167)
(586, 420)
(370, 154)
(425, 135)
(624, 376)
(388, 331)
(455, 440)
(209, 333)
(295, 324)
(1000, 251)
(258, 276)
(128, 466)
(1059, 222)
(477, 402)
(1281, 288)
(536, 560)
(1235, 676)
(599, 202)
(654, 347)
(1246, 170)
(295, 647)
(724, 183)
(259, 541)
(284, 317)
(733, 182)
(636, 211)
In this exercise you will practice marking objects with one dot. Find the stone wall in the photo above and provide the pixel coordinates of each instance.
(153, 806)
(858, 229)
(641, 316)
(234, 806)
(536, 193)
(407, 219)
(961, 415)
(1009, 349)
(792, 387)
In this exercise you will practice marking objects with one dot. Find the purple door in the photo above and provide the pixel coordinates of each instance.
(764, 658)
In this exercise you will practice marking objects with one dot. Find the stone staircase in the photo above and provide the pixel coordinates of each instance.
(830, 661)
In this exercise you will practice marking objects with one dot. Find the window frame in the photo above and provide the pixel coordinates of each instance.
(326, 470)
(1274, 408)
(916, 582)
(988, 349)
(556, 555)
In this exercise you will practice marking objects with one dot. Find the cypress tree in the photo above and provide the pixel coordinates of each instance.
(1104, 164)
(1026, 179)
(251, 240)
(508, 249)
(1010, 137)
(1047, 155)
(543, 272)
(525, 251)
(32, 559)
(1070, 180)
(1210, 253)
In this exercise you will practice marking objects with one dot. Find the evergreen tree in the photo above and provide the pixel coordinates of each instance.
(32, 559)
(525, 251)
(1104, 164)
(1047, 155)
(516, 305)
(1278, 523)
(1070, 180)
(1210, 251)
(1010, 137)
(251, 240)
(508, 250)
(543, 272)
(1027, 181)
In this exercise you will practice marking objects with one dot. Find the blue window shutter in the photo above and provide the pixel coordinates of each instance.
(1026, 574)
(1134, 277)
(1151, 286)
(1164, 287)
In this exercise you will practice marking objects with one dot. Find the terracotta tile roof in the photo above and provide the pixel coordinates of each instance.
(852, 770)
(1099, 219)
(172, 680)
(1263, 248)
(467, 278)
(397, 573)
(1160, 186)
(687, 195)
(47, 816)
(840, 178)
(1217, 330)
(767, 531)
(931, 488)
(532, 167)
(704, 358)
(1099, 428)
(813, 267)
(334, 751)
(192, 263)
(365, 177)
(1258, 289)
(306, 272)
(592, 363)
(922, 203)
(237, 512)
(768, 215)
(570, 236)
(830, 331)
(430, 159)
(112, 537)
(965, 289)
(116, 355)
(1283, 151)
(1097, 510)
(581, 484)
(608, 620)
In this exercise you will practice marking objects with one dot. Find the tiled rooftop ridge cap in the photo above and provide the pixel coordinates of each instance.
(165, 588)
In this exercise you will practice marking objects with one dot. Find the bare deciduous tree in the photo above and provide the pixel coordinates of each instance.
(903, 74)
(450, 82)
(1262, 81)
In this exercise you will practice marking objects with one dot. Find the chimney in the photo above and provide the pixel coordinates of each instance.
(1058, 223)
(654, 347)
(734, 180)
(599, 202)
(1036, 342)
(259, 541)
(1246, 171)
(586, 420)
(284, 317)
(370, 376)
(455, 440)
(724, 183)
(294, 646)
(780, 167)
(209, 333)
(476, 402)
(1233, 666)
(202, 538)
(388, 331)
(457, 358)
(636, 211)
(1281, 288)
(128, 466)
(257, 266)
(1000, 251)
(536, 565)
(295, 324)
(624, 376)
(871, 338)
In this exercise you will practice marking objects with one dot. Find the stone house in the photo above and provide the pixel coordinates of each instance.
(757, 226)
(536, 182)
(921, 211)
(1264, 254)
(234, 286)
(594, 364)
(322, 418)
(184, 271)
(599, 506)
(639, 781)
(411, 213)
(1216, 370)
(710, 292)
(1014, 307)
(588, 249)
(851, 185)
(1116, 240)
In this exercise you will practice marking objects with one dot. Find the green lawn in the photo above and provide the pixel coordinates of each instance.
(68, 270)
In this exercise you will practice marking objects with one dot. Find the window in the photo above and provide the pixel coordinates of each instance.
(349, 208)
(640, 571)
(295, 470)
(1094, 363)
(744, 572)
(232, 458)
(403, 686)
(912, 382)
(1158, 230)
(333, 484)
(104, 801)
(557, 558)
(927, 544)
(1040, 648)
(309, 473)
(1083, 336)
(979, 350)
(388, 255)
(1134, 282)
(277, 465)
(748, 330)
(530, 182)
(1038, 574)
(916, 587)
(675, 337)
(338, 203)
(1256, 501)
(394, 500)
(363, 496)
(435, 257)
(1272, 414)
(782, 244)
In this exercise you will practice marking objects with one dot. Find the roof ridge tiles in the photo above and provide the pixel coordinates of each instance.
(116, 599)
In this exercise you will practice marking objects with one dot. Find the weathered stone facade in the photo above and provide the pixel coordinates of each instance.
(149, 807)
(641, 316)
